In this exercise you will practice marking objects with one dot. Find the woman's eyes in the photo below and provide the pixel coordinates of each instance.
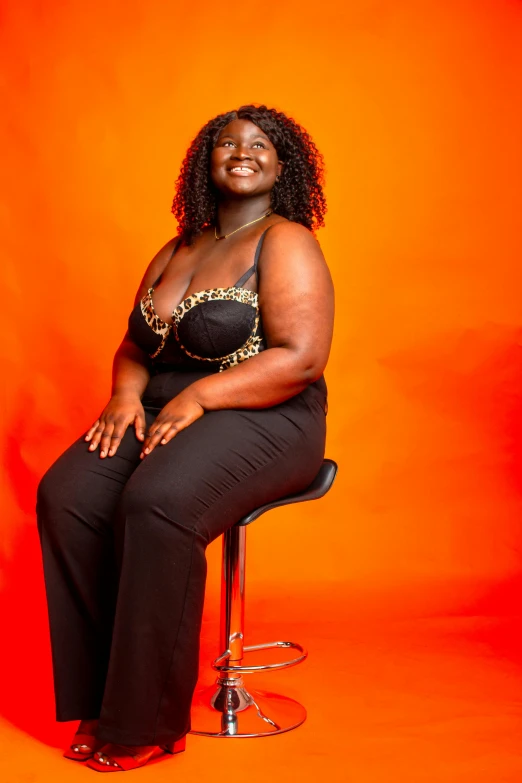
(260, 143)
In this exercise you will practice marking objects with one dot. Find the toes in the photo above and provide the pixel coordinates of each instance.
(101, 758)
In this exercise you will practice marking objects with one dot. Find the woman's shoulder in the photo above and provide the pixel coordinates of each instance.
(164, 255)
(158, 265)
(286, 232)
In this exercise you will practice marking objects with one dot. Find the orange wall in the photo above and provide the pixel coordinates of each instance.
(416, 109)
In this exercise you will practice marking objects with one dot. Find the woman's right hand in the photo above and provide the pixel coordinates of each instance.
(109, 429)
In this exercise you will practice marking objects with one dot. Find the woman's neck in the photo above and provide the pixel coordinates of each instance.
(232, 214)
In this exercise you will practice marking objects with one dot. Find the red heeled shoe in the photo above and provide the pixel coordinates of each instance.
(122, 756)
(74, 751)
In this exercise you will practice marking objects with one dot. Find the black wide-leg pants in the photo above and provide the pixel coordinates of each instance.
(123, 543)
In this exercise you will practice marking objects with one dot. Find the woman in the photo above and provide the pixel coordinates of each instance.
(223, 388)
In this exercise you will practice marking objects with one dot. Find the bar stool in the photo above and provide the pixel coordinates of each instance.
(228, 709)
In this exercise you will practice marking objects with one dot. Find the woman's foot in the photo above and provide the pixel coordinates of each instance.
(140, 753)
(113, 757)
(84, 742)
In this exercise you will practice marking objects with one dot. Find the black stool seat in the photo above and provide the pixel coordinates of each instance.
(319, 487)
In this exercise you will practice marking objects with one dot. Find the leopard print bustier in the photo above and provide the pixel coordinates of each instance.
(221, 326)
(199, 341)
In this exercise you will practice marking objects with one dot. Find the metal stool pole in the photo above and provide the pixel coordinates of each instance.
(230, 696)
(233, 596)
(228, 708)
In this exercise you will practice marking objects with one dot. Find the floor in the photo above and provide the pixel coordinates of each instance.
(423, 700)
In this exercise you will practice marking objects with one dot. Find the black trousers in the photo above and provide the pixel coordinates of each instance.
(123, 543)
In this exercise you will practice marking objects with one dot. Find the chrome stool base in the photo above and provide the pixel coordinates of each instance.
(228, 709)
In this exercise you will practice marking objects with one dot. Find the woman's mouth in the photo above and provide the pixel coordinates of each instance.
(241, 171)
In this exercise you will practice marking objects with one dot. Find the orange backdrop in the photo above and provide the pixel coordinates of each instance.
(416, 108)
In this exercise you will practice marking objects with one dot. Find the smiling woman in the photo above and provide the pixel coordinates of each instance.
(220, 376)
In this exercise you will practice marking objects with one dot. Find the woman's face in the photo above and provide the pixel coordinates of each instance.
(244, 161)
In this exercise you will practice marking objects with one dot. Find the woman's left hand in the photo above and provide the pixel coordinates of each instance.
(177, 414)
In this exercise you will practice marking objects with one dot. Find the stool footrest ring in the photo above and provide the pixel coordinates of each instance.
(218, 667)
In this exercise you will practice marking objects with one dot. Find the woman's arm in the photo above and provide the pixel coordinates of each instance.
(297, 306)
(130, 369)
(130, 376)
(130, 373)
(156, 268)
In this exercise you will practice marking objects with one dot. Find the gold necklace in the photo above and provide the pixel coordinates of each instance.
(224, 236)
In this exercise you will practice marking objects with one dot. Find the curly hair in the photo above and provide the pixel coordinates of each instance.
(297, 195)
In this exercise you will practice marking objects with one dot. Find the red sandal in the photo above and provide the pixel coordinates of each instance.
(123, 757)
(76, 754)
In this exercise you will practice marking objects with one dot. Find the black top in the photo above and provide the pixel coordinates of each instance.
(211, 329)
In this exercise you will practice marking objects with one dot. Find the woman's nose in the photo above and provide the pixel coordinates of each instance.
(241, 153)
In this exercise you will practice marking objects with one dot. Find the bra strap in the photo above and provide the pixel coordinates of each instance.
(253, 269)
(242, 280)
(258, 249)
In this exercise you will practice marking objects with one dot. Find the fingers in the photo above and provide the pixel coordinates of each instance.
(117, 434)
(95, 434)
(177, 415)
(107, 432)
(139, 426)
(171, 432)
(156, 435)
(92, 430)
(105, 441)
(108, 435)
